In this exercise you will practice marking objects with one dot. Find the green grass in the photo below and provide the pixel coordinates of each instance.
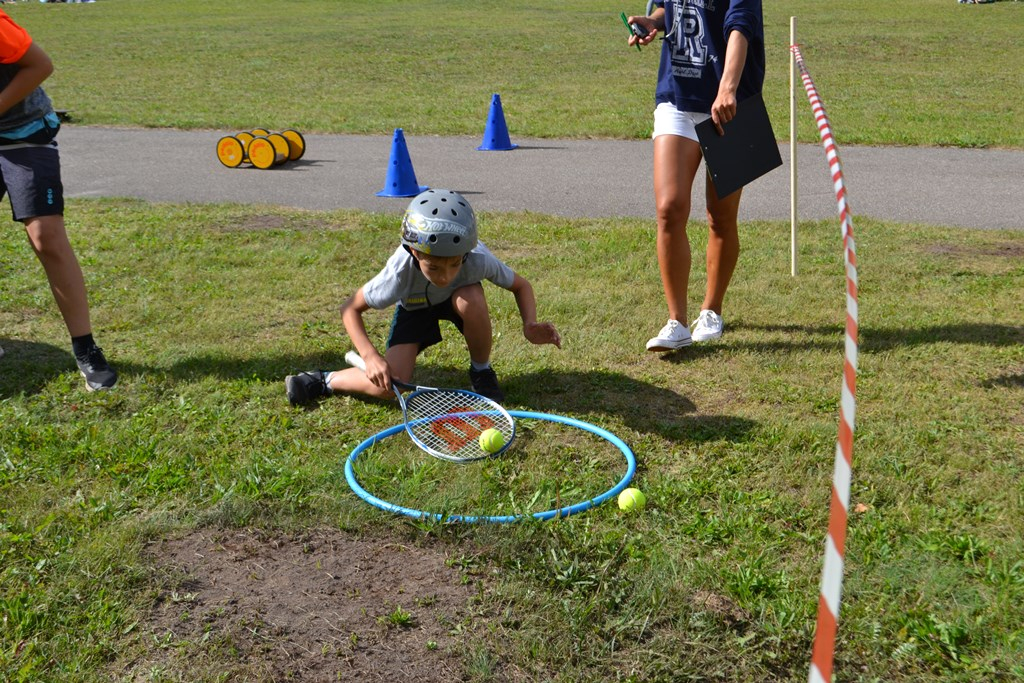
(205, 308)
(917, 72)
(202, 309)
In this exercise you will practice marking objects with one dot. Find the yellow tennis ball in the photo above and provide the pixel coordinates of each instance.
(491, 440)
(632, 499)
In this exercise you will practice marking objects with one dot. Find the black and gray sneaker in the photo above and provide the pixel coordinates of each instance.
(94, 368)
(485, 383)
(306, 386)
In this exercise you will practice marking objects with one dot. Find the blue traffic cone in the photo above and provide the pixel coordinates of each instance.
(401, 179)
(496, 133)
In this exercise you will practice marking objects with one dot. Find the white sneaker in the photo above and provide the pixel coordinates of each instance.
(707, 326)
(673, 336)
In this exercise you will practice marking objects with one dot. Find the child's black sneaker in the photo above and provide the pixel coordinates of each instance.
(485, 383)
(94, 368)
(306, 386)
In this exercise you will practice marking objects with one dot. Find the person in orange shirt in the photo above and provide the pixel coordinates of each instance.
(30, 177)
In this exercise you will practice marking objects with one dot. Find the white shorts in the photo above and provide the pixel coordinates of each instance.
(670, 121)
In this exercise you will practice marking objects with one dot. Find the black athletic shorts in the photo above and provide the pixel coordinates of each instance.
(30, 176)
(422, 326)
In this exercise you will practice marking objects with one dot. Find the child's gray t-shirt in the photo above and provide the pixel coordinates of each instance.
(401, 282)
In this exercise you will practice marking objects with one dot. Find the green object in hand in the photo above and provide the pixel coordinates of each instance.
(634, 30)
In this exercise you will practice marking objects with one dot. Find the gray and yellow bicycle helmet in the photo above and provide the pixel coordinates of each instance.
(439, 223)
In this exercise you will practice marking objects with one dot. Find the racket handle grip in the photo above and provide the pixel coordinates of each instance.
(355, 360)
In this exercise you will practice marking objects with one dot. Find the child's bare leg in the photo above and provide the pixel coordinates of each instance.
(354, 381)
(471, 305)
(50, 242)
(401, 358)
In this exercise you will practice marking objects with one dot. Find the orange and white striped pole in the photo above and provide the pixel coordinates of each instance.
(832, 571)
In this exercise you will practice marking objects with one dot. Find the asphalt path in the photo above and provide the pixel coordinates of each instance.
(574, 178)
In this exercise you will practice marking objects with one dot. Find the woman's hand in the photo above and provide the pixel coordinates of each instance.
(646, 24)
(724, 109)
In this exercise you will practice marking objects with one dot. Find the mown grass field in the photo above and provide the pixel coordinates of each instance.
(205, 308)
(921, 72)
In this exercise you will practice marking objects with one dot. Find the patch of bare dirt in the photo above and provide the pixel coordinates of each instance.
(303, 221)
(1005, 249)
(318, 606)
(257, 223)
(721, 605)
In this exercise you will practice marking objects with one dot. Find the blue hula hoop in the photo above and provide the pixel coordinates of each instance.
(350, 476)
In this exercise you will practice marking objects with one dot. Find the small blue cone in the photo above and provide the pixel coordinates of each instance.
(496, 133)
(401, 179)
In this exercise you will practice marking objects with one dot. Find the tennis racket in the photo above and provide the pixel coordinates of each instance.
(447, 423)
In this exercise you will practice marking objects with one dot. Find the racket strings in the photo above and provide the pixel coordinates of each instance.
(449, 423)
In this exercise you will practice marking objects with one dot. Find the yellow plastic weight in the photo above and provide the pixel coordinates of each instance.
(260, 132)
(281, 146)
(296, 144)
(230, 151)
(262, 153)
(245, 138)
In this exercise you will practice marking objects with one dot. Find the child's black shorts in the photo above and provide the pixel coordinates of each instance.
(422, 326)
(30, 176)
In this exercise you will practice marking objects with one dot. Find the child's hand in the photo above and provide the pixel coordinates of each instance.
(379, 372)
(542, 333)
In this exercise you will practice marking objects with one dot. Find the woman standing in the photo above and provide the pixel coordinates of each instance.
(712, 58)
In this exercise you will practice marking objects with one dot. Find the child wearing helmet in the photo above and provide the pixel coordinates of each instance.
(435, 274)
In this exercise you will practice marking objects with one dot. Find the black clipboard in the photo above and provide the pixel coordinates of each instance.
(746, 152)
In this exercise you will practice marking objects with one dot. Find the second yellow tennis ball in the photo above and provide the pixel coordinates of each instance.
(632, 499)
(491, 440)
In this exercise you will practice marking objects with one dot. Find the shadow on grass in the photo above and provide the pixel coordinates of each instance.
(872, 339)
(968, 334)
(28, 366)
(1008, 381)
(643, 407)
(640, 405)
(266, 369)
